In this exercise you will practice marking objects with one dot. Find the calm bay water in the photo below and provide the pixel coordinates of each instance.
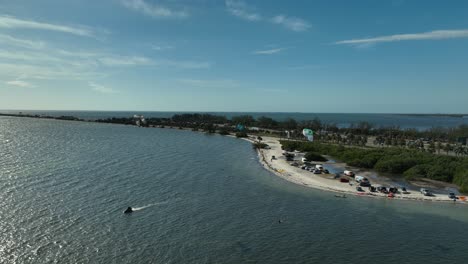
(341, 120)
(200, 199)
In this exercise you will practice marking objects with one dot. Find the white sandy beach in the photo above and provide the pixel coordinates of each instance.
(283, 169)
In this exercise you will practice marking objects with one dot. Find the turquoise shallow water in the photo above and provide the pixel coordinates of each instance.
(200, 199)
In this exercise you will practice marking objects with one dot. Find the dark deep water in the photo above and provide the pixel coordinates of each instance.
(200, 199)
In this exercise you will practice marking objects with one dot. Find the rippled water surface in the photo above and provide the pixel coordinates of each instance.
(199, 198)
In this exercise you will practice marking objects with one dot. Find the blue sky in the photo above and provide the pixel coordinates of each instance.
(204, 55)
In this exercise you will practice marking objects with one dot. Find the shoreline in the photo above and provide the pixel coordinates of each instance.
(281, 168)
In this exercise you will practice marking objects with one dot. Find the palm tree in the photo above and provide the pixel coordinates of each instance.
(438, 147)
(459, 150)
(447, 148)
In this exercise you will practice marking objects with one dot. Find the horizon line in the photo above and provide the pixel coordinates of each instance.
(192, 111)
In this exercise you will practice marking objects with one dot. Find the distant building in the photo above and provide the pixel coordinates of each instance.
(139, 120)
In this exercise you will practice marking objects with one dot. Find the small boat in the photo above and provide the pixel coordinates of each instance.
(128, 210)
(340, 196)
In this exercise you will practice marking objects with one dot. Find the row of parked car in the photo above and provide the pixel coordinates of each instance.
(317, 169)
(427, 192)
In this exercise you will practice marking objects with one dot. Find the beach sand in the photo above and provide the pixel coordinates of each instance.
(327, 182)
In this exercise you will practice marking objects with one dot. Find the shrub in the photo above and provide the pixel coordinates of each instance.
(313, 156)
(223, 132)
(395, 164)
(418, 171)
(259, 145)
(241, 135)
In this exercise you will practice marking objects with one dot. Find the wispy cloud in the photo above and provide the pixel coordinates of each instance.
(241, 10)
(125, 61)
(24, 43)
(269, 51)
(292, 23)
(20, 83)
(185, 64)
(160, 47)
(16, 23)
(152, 10)
(273, 90)
(49, 72)
(305, 67)
(101, 88)
(431, 35)
(210, 83)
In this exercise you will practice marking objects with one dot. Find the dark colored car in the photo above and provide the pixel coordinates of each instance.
(364, 184)
(382, 189)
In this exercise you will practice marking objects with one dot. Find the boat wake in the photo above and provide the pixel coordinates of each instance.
(148, 205)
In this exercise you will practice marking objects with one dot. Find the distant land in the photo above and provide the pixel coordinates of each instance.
(437, 115)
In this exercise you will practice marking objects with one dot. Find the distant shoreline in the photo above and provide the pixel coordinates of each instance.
(436, 115)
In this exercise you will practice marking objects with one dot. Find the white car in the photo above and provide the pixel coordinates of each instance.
(426, 192)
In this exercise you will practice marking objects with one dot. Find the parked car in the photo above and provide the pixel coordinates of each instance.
(452, 196)
(326, 171)
(344, 180)
(364, 184)
(393, 189)
(382, 189)
(359, 189)
(426, 192)
(361, 179)
(348, 173)
(404, 191)
(372, 189)
(317, 171)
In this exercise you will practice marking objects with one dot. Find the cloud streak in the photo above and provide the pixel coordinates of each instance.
(292, 23)
(155, 11)
(15, 23)
(210, 83)
(101, 88)
(125, 61)
(431, 35)
(20, 83)
(24, 43)
(242, 10)
(268, 52)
